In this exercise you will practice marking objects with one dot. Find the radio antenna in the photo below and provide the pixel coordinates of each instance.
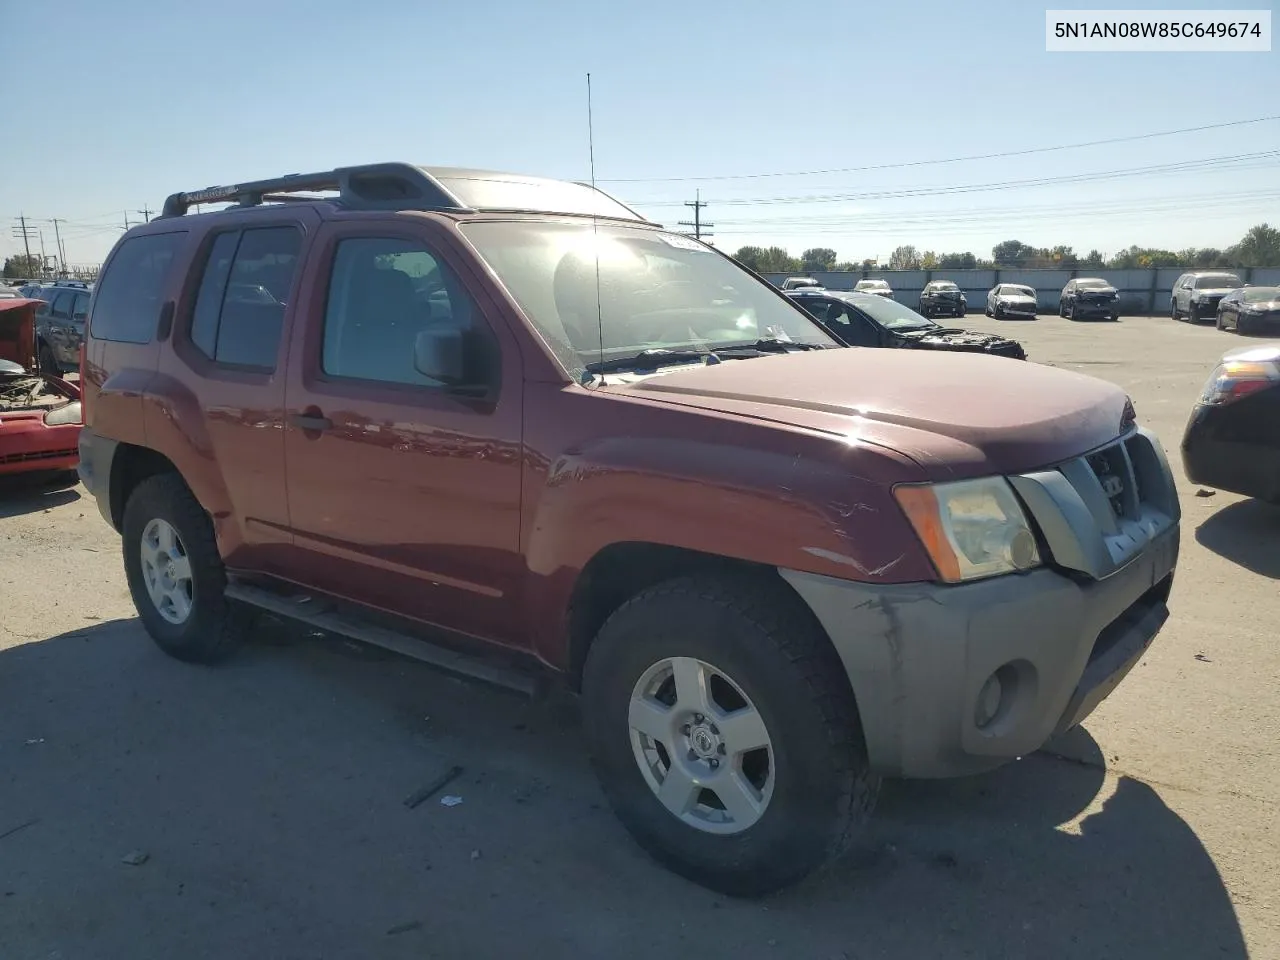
(595, 233)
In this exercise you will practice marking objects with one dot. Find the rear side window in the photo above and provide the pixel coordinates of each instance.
(80, 308)
(129, 294)
(245, 288)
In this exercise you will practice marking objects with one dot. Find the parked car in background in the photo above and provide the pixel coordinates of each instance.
(60, 326)
(777, 570)
(797, 283)
(865, 320)
(1088, 297)
(1232, 441)
(39, 413)
(878, 287)
(942, 297)
(1196, 295)
(1011, 300)
(1250, 310)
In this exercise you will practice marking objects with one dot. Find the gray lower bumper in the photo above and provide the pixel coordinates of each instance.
(96, 456)
(918, 655)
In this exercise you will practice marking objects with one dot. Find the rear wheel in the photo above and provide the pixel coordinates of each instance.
(175, 574)
(724, 734)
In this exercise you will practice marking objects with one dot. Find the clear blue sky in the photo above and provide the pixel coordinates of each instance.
(162, 97)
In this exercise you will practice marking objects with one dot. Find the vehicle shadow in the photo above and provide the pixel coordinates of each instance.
(30, 493)
(265, 800)
(1246, 532)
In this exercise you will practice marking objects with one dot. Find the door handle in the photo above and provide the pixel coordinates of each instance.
(314, 423)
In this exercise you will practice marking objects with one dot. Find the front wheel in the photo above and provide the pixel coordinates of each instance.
(725, 734)
(175, 574)
(1193, 314)
(1073, 313)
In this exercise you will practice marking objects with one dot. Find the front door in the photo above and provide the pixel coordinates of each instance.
(404, 492)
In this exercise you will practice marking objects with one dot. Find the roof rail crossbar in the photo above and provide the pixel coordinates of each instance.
(374, 186)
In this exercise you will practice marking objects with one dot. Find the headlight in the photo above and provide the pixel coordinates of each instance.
(63, 415)
(970, 528)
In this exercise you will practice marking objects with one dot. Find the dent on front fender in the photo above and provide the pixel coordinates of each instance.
(785, 509)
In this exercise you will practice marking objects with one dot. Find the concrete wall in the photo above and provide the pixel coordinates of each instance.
(1141, 291)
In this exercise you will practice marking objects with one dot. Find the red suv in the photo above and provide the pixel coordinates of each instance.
(506, 425)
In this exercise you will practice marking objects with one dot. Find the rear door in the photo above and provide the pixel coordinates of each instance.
(404, 494)
(224, 379)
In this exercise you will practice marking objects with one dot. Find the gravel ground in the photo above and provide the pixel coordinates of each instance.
(154, 810)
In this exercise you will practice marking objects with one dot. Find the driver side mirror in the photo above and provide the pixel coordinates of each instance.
(459, 359)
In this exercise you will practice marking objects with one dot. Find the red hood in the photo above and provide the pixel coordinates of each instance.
(18, 331)
(957, 415)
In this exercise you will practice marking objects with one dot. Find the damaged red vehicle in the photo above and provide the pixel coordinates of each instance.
(39, 411)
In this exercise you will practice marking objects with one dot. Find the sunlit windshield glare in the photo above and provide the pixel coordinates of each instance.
(654, 290)
(1218, 282)
(1261, 294)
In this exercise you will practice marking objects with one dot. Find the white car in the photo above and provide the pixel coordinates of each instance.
(879, 287)
(801, 283)
(1011, 300)
(1196, 295)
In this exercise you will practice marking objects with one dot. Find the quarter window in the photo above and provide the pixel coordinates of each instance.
(127, 301)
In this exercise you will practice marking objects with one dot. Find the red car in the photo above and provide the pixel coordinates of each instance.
(39, 412)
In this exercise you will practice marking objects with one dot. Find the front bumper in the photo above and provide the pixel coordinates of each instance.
(919, 655)
(1096, 308)
(1016, 309)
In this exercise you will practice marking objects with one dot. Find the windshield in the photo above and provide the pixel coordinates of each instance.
(891, 314)
(1092, 284)
(1012, 291)
(1218, 282)
(1261, 294)
(655, 290)
(872, 285)
(945, 286)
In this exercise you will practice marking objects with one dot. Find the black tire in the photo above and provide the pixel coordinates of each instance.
(1217, 321)
(214, 628)
(1073, 313)
(1173, 311)
(48, 363)
(758, 633)
(988, 312)
(1062, 309)
(959, 314)
(1193, 313)
(998, 314)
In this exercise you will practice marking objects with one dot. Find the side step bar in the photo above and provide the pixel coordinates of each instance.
(317, 614)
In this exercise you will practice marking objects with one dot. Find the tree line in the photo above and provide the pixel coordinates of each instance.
(1260, 247)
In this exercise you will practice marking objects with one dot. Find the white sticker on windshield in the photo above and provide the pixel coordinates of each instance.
(682, 242)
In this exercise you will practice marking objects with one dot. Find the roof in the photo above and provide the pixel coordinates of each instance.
(404, 186)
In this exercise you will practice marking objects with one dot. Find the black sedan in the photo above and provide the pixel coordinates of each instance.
(1250, 310)
(866, 320)
(1232, 441)
(942, 297)
(1088, 297)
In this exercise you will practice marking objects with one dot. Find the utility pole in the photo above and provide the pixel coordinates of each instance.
(44, 258)
(126, 221)
(699, 228)
(62, 253)
(146, 213)
(23, 231)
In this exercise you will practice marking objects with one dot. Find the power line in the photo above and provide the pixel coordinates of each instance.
(1183, 166)
(977, 156)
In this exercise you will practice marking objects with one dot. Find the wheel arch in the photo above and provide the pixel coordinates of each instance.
(131, 465)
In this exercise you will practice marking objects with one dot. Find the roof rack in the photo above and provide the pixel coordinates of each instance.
(374, 186)
(403, 186)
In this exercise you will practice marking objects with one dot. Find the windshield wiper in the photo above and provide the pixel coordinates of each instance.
(650, 359)
(771, 345)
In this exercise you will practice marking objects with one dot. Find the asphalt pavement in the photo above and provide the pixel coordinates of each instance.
(150, 809)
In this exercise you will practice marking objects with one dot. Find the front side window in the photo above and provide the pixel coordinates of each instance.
(126, 307)
(244, 290)
(383, 293)
(893, 315)
(610, 292)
